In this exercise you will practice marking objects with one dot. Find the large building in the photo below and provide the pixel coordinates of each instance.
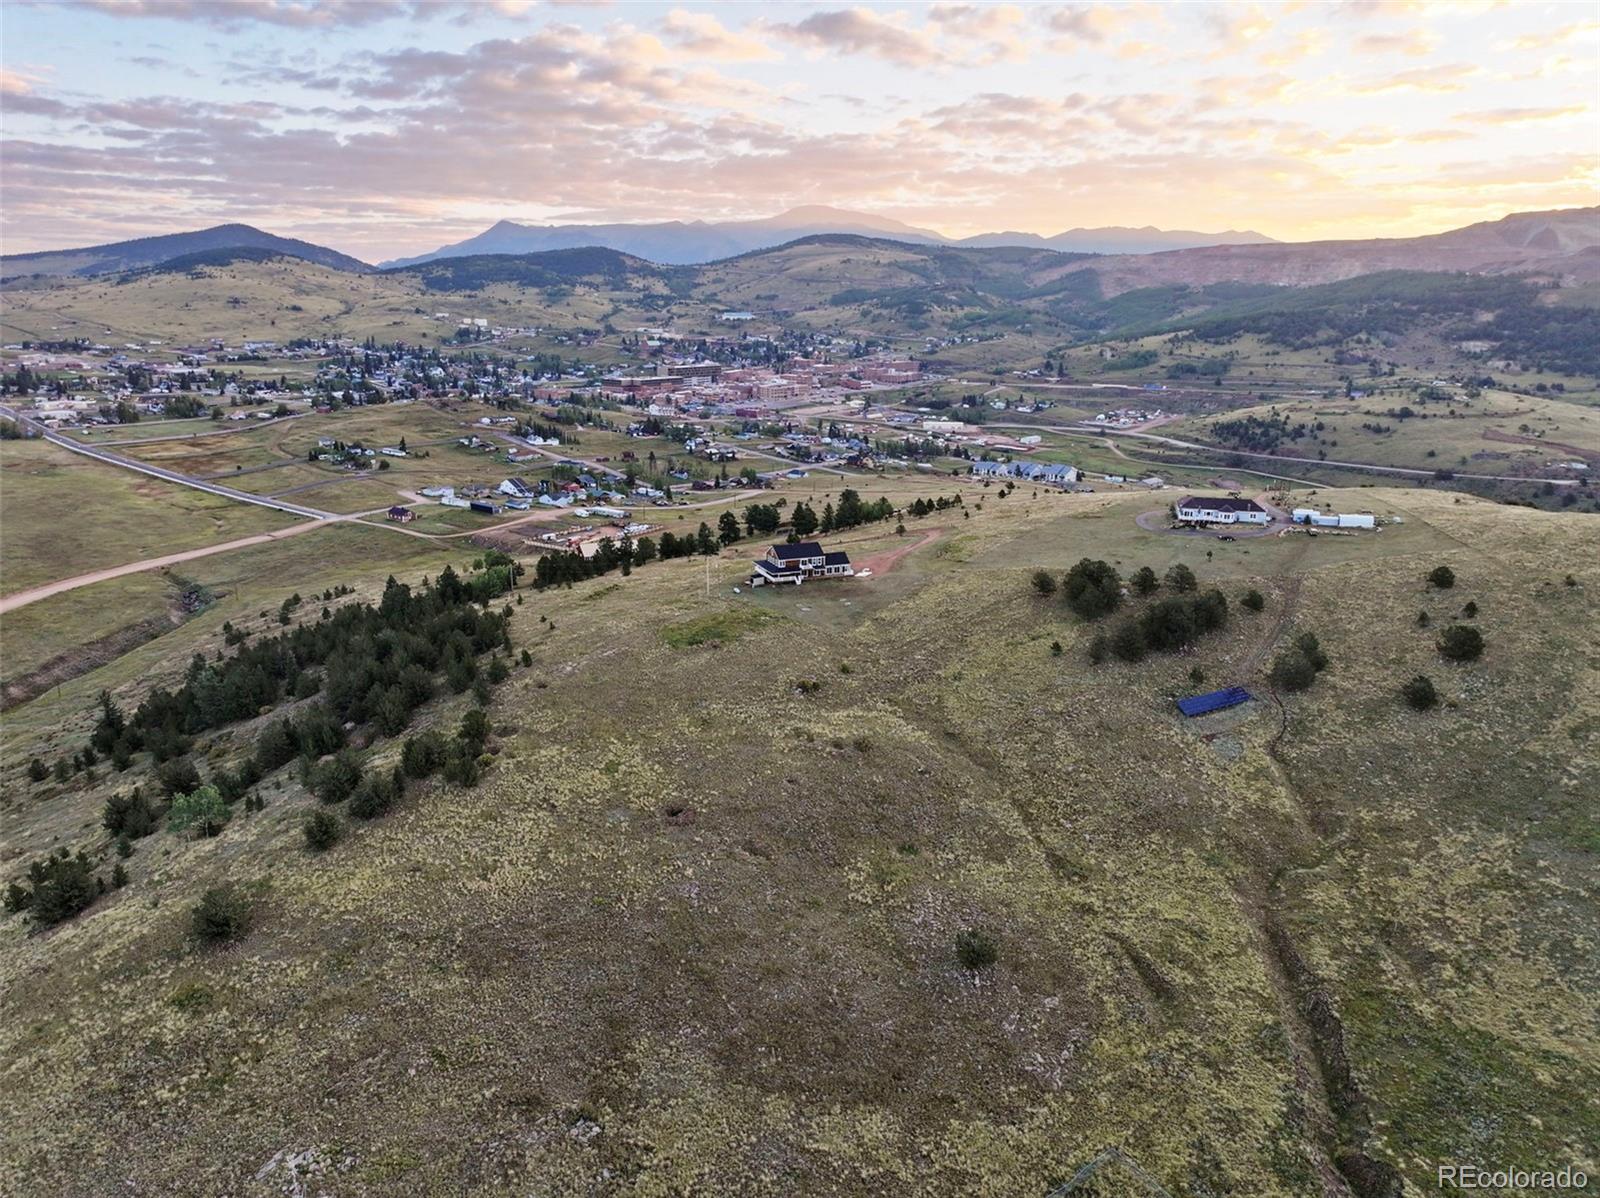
(1220, 509)
(798, 562)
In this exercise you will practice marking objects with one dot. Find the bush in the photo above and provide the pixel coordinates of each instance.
(62, 886)
(474, 729)
(1470, 611)
(222, 914)
(1128, 642)
(1144, 580)
(1254, 600)
(1044, 582)
(337, 778)
(323, 830)
(1419, 693)
(1181, 579)
(1099, 648)
(202, 810)
(1442, 577)
(377, 793)
(37, 770)
(1092, 589)
(422, 754)
(1055, 648)
(1167, 626)
(461, 765)
(178, 777)
(1306, 642)
(129, 815)
(1292, 671)
(1461, 642)
(976, 949)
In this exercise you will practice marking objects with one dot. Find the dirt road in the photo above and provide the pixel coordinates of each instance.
(61, 585)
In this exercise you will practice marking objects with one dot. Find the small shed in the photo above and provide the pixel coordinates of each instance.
(1221, 700)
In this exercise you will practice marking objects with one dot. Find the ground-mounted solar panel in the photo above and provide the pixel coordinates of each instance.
(1230, 696)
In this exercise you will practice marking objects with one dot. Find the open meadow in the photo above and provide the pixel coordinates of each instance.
(756, 828)
(66, 515)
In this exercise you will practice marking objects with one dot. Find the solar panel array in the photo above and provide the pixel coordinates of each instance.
(1230, 696)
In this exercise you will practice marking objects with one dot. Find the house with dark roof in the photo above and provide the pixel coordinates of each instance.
(797, 562)
(402, 515)
(1219, 509)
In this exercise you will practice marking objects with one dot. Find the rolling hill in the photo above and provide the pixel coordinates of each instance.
(1561, 243)
(683, 243)
(153, 251)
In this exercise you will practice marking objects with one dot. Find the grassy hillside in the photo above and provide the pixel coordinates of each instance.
(697, 929)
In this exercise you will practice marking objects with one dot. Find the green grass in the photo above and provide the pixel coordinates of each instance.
(718, 627)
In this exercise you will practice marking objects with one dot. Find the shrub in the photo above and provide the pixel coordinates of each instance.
(1197, 677)
(129, 815)
(1292, 671)
(336, 779)
(461, 765)
(976, 949)
(1144, 580)
(1210, 611)
(62, 886)
(1055, 648)
(422, 754)
(1419, 693)
(1442, 577)
(1306, 642)
(323, 829)
(1181, 579)
(377, 793)
(222, 914)
(1167, 626)
(1044, 582)
(1470, 611)
(178, 777)
(1092, 589)
(1423, 619)
(1099, 648)
(1128, 642)
(203, 810)
(1254, 600)
(474, 729)
(37, 770)
(1461, 642)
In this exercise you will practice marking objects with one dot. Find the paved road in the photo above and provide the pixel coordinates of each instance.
(1091, 430)
(111, 458)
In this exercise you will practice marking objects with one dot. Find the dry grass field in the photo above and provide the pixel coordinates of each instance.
(64, 515)
(695, 932)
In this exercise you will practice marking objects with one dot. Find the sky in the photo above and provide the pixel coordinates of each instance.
(390, 127)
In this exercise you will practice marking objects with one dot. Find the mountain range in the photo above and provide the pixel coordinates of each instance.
(118, 256)
(679, 243)
(1562, 243)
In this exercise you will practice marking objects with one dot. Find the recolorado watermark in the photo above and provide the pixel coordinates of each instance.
(1476, 1177)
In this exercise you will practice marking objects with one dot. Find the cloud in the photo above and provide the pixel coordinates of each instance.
(863, 31)
(1544, 40)
(1447, 77)
(1414, 43)
(1083, 22)
(295, 14)
(1523, 116)
(703, 36)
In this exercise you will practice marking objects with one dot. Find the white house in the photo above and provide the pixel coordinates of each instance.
(798, 562)
(1210, 509)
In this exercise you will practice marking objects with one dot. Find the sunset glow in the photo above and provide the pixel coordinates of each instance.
(386, 127)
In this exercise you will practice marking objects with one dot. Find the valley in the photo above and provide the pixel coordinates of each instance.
(493, 820)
